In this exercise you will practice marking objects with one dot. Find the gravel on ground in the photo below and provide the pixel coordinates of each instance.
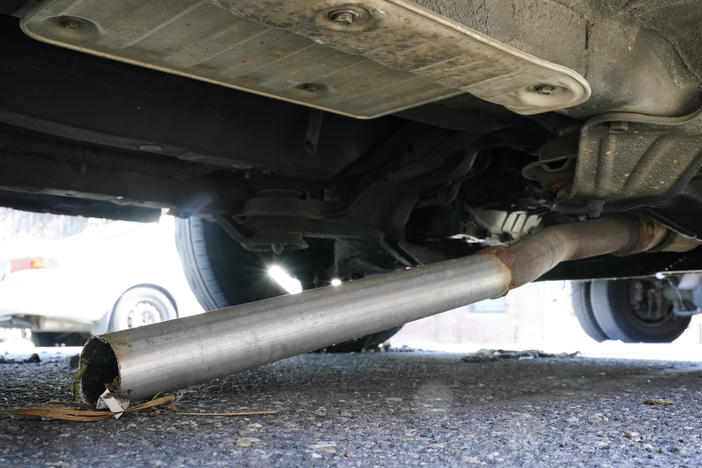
(381, 409)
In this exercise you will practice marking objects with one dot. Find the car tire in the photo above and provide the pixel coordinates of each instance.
(583, 311)
(368, 342)
(221, 273)
(142, 305)
(635, 311)
(59, 338)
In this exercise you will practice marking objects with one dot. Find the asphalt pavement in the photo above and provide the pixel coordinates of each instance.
(382, 409)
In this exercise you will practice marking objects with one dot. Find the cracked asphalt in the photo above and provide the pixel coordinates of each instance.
(382, 409)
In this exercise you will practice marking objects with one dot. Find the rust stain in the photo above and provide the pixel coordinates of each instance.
(506, 257)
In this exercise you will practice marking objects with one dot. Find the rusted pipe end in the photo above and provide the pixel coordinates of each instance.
(102, 368)
(535, 255)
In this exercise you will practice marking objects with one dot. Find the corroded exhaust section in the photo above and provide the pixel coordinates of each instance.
(177, 353)
(621, 235)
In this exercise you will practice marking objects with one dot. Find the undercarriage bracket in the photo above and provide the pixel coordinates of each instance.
(631, 160)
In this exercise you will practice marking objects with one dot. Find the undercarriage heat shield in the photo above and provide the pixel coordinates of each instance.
(630, 160)
(362, 59)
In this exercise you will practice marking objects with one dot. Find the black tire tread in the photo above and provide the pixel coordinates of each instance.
(613, 315)
(217, 281)
(220, 272)
(198, 271)
(40, 338)
(583, 311)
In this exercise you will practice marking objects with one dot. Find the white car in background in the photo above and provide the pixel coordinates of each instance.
(110, 277)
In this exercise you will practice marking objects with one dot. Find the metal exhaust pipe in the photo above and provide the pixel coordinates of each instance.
(168, 355)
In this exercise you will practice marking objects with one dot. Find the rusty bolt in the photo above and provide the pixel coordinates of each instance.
(71, 22)
(545, 89)
(311, 87)
(618, 126)
(343, 17)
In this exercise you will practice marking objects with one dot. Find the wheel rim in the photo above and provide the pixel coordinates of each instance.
(144, 313)
(647, 301)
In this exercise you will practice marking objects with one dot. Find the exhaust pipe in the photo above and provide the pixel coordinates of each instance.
(169, 355)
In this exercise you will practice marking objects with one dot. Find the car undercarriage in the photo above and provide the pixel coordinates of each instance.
(348, 139)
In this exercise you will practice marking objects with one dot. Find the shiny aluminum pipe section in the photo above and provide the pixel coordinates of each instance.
(168, 355)
(177, 353)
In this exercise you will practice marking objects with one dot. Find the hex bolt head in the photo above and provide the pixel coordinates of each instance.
(343, 17)
(71, 22)
(311, 87)
(545, 89)
(618, 126)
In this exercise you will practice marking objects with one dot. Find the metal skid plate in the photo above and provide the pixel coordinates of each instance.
(628, 160)
(362, 59)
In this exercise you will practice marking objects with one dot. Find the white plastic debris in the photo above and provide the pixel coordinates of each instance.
(114, 403)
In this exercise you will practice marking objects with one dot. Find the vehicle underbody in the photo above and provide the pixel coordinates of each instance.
(387, 165)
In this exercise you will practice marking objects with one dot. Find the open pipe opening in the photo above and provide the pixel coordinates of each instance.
(102, 369)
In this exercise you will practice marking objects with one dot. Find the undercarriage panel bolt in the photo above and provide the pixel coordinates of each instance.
(71, 22)
(343, 17)
(545, 89)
